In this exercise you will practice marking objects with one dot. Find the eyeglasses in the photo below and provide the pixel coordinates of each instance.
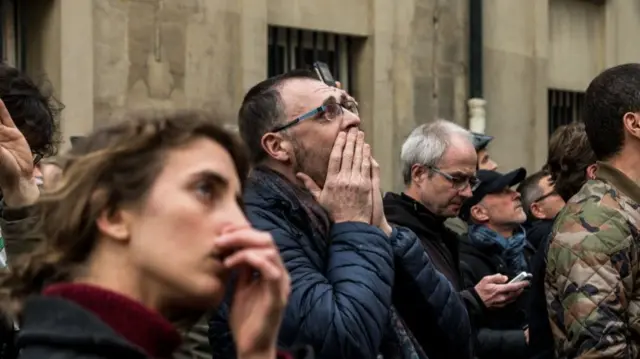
(37, 157)
(329, 111)
(458, 182)
(543, 197)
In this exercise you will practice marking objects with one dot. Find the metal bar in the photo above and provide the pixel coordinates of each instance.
(336, 56)
(300, 62)
(2, 21)
(271, 51)
(315, 43)
(325, 47)
(475, 49)
(277, 57)
(289, 50)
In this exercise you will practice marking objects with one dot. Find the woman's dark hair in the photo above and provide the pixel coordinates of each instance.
(33, 109)
(114, 166)
(569, 156)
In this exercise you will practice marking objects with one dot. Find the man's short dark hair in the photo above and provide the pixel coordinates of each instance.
(610, 95)
(570, 155)
(33, 110)
(530, 191)
(262, 109)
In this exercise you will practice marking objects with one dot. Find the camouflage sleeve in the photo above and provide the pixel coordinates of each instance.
(587, 280)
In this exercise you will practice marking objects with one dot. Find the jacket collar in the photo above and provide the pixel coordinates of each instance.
(619, 180)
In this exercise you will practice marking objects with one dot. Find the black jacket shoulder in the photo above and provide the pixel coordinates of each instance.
(53, 327)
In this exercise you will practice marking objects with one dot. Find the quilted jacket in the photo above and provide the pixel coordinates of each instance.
(342, 291)
(593, 267)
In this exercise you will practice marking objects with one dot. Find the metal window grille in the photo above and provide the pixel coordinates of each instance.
(296, 49)
(565, 107)
(11, 33)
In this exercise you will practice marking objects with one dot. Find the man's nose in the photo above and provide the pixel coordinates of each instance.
(37, 172)
(466, 192)
(350, 119)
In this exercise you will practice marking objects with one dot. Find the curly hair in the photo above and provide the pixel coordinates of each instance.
(114, 167)
(569, 156)
(34, 110)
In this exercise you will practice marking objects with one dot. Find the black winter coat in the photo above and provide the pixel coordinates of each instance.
(53, 327)
(500, 333)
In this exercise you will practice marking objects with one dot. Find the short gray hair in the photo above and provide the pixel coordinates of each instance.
(427, 144)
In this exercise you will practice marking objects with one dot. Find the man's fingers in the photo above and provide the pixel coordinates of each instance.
(5, 117)
(375, 175)
(347, 153)
(365, 169)
(310, 184)
(358, 153)
(496, 279)
(335, 159)
(245, 238)
(512, 287)
(262, 260)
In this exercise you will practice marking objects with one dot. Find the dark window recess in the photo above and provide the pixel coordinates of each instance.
(298, 49)
(565, 107)
(11, 33)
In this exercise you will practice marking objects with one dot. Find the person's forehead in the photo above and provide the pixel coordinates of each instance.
(460, 155)
(203, 156)
(306, 93)
(545, 183)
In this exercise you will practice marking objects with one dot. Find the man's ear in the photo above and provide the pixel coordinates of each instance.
(631, 122)
(536, 211)
(417, 172)
(115, 224)
(277, 147)
(479, 213)
(591, 171)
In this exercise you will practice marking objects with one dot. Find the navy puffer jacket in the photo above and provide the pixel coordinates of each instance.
(341, 292)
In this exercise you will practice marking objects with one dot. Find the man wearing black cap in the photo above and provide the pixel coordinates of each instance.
(480, 142)
(496, 244)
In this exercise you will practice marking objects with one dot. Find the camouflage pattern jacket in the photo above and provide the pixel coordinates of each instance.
(592, 281)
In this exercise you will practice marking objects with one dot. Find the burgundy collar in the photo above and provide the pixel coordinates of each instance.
(136, 323)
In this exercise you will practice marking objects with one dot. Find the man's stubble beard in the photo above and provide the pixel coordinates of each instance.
(310, 163)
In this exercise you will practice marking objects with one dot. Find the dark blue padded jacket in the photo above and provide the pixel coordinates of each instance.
(341, 291)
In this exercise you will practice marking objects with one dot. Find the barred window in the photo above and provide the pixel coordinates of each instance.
(565, 107)
(296, 49)
(11, 32)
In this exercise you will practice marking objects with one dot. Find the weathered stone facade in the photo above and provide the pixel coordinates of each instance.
(107, 56)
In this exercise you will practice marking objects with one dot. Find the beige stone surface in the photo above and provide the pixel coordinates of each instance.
(105, 57)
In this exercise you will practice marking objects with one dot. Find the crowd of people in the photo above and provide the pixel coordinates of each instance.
(166, 236)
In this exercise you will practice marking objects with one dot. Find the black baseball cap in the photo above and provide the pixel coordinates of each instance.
(480, 140)
(491, 182)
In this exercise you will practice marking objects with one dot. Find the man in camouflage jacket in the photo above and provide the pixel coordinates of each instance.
(592, 280)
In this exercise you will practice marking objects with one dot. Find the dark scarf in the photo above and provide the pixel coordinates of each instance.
(510, 249)
(320, 219)
(136, 323)
(399, 343)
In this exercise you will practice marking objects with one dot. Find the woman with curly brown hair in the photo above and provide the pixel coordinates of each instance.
(145, 226)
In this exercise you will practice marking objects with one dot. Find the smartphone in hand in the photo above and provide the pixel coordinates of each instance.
(523, 276)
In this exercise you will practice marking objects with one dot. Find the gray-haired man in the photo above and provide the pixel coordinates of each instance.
(439, 170)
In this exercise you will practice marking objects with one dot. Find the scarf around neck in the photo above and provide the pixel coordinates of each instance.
(511, 249)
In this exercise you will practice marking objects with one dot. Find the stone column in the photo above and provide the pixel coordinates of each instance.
(515, 73)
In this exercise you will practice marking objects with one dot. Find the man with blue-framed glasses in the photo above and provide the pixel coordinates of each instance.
(316, 188)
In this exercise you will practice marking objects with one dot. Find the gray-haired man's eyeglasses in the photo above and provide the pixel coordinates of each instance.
(458, 182)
